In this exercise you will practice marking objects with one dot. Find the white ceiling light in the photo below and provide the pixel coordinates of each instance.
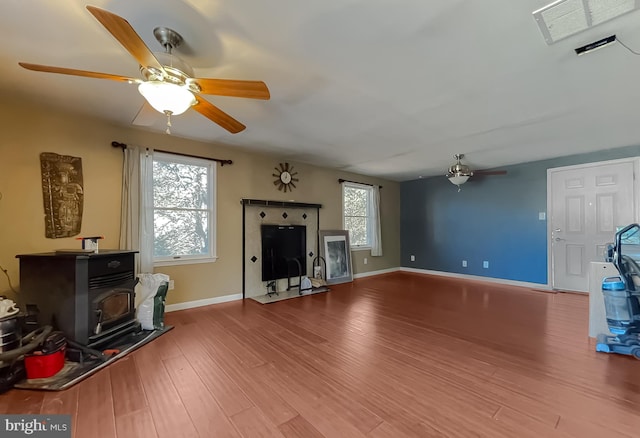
(458, 178)
(564, 18)
(167, 98)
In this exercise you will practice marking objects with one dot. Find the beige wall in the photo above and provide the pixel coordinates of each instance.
(28, 130)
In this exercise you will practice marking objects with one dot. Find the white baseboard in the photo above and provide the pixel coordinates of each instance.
(200, 303)
(479, 278)
(372, 273)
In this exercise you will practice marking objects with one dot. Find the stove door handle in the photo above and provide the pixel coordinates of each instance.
(98, 328)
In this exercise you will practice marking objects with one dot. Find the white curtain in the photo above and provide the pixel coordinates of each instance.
(136, 222)
(376, 233)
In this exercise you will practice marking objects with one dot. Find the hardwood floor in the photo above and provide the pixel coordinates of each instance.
(400, 355)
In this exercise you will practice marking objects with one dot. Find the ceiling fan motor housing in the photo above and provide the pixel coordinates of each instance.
(460, 169)
(177, 71)
(168, 38)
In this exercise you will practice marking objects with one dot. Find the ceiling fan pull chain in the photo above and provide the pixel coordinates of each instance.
(168, 113)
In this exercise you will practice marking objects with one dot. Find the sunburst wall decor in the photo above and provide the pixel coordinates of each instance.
(285, 177)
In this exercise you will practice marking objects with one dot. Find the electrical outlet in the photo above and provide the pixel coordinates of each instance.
(485, 264)
(413, 258)
(366, 260)
(464, 263)
(171, 285)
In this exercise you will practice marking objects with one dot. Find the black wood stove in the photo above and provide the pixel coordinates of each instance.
(88, 296)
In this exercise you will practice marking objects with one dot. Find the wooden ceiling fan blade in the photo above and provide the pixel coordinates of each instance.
(489, 172)
(130, 40)
(74, 72)
(233, 88)
(218, 116)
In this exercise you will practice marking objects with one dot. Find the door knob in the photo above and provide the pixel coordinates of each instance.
(558, 239)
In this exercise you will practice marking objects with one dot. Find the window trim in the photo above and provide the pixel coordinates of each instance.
(370, 216)
(211, 180)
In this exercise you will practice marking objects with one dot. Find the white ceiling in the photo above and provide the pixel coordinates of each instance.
(382, 88)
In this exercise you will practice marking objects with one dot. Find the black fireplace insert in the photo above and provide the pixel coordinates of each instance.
(282, 245)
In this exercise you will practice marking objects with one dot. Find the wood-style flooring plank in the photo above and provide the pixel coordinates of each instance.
(23, 402)
(252, 423)
(530, 427)
(95, 407)
(62, 402)
(298, 427)
(166, 346)
(245, 357)
(577, 427)
(223, 388)
(138, 424)
(327, 398)
(169, 413)
(126, 387)
(387, 430)
(181, 317)
(207, 416)
(274, 407)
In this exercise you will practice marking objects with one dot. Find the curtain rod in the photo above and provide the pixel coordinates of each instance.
(116, 144)
(355, 182)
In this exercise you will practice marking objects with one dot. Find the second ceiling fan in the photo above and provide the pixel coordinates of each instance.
(459, 173)
(168, 83)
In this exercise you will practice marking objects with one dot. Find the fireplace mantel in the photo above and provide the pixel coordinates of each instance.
(290, 204)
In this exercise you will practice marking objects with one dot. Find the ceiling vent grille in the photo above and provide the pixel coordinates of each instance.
(564, 18)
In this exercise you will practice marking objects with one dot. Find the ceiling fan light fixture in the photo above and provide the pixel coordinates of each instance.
(459, 173)
(458, 179)
(167, 97)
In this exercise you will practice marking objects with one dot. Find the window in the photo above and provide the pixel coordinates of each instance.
(358, 213)
(183, 209)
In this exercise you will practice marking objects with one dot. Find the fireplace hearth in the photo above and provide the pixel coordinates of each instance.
(88, 296)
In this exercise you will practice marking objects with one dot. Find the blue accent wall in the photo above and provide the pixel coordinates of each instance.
(493, 218)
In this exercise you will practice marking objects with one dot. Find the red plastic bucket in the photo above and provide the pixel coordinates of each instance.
(40, 366)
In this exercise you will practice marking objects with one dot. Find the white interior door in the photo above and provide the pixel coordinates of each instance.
(587, 204)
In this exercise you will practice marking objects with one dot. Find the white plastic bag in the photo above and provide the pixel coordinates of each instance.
(305, 284)
(7, 308)
(149, 285)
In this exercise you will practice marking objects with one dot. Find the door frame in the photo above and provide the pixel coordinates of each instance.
(636, 191)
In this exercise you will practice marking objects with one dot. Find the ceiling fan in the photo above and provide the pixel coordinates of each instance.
(168, 83)
(459, 173)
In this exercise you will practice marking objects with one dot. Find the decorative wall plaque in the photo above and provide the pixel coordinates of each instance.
(62, 193)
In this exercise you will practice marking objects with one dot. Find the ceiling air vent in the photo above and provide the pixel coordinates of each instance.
(564, 18)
